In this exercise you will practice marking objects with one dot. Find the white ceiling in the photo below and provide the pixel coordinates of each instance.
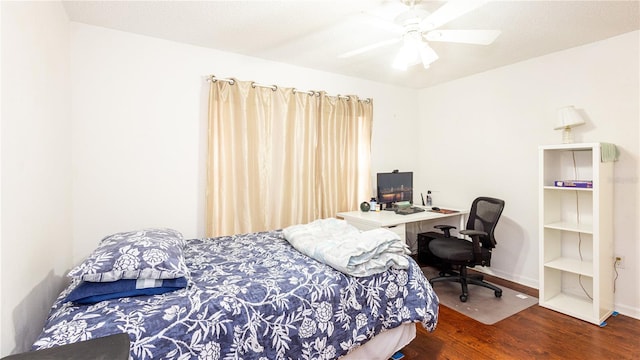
(313, 33)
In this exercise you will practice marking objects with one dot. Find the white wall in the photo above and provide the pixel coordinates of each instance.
(139, 127)
(484, 132)
(133, 152)
(36, 167)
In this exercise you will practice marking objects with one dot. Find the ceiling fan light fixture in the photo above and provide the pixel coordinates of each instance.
(414, 51)
(399, 64)
(427, 54)
(408, 53)
(402, 59)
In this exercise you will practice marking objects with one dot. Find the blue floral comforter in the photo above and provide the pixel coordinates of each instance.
(252, 296)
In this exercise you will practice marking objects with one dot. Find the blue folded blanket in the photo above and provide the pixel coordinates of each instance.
(92, 292)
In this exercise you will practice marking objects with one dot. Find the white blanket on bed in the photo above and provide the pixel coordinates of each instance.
(347, 249)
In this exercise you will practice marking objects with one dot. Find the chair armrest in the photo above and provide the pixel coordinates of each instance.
(473, 232)
(475, 238)
(446, 229)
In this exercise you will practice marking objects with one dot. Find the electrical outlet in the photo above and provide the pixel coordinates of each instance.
(619, 262)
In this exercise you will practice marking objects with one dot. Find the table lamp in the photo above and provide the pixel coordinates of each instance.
(568, 117)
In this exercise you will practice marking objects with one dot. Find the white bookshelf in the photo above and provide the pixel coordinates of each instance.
(576, 232)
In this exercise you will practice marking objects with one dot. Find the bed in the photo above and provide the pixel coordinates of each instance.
(250, 296)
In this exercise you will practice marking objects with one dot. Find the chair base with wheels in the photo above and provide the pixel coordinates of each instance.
(464, 278)
(457, 254)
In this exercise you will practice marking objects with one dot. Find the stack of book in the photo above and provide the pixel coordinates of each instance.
(574, 183)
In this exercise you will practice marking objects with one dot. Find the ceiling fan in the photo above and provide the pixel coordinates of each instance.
(418, 27)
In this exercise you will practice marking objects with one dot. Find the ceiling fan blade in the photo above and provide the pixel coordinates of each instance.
(387, 11)
(375, 22)
(449, 11)
(364, 49)
(478, 37)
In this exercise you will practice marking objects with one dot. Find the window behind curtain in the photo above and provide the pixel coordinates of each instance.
(281, 157)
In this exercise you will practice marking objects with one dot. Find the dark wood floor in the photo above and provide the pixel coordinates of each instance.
(535, 333)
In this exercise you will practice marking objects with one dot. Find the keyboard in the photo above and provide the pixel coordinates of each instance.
(409, 210)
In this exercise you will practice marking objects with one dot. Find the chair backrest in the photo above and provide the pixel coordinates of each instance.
(484, 215)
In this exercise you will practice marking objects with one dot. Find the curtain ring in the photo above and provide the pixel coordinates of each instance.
(255, 85)
(214, 79)
(308, 92)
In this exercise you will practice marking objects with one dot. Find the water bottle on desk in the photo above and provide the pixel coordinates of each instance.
(429, 199)
(374, 204)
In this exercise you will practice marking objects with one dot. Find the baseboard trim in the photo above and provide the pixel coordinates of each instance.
(528, 282)
(629, 311)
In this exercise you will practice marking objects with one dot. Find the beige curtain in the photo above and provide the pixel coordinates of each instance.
(278, 157)
(343, 156)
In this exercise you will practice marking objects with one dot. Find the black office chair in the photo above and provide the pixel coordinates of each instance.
(461, 253)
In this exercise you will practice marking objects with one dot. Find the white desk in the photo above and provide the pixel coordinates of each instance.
(394, 222)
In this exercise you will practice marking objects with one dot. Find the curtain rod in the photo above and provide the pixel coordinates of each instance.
(213, 78)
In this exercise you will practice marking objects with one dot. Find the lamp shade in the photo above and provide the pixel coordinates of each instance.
(568, 117)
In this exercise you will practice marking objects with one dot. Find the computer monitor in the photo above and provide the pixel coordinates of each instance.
(395, 186)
